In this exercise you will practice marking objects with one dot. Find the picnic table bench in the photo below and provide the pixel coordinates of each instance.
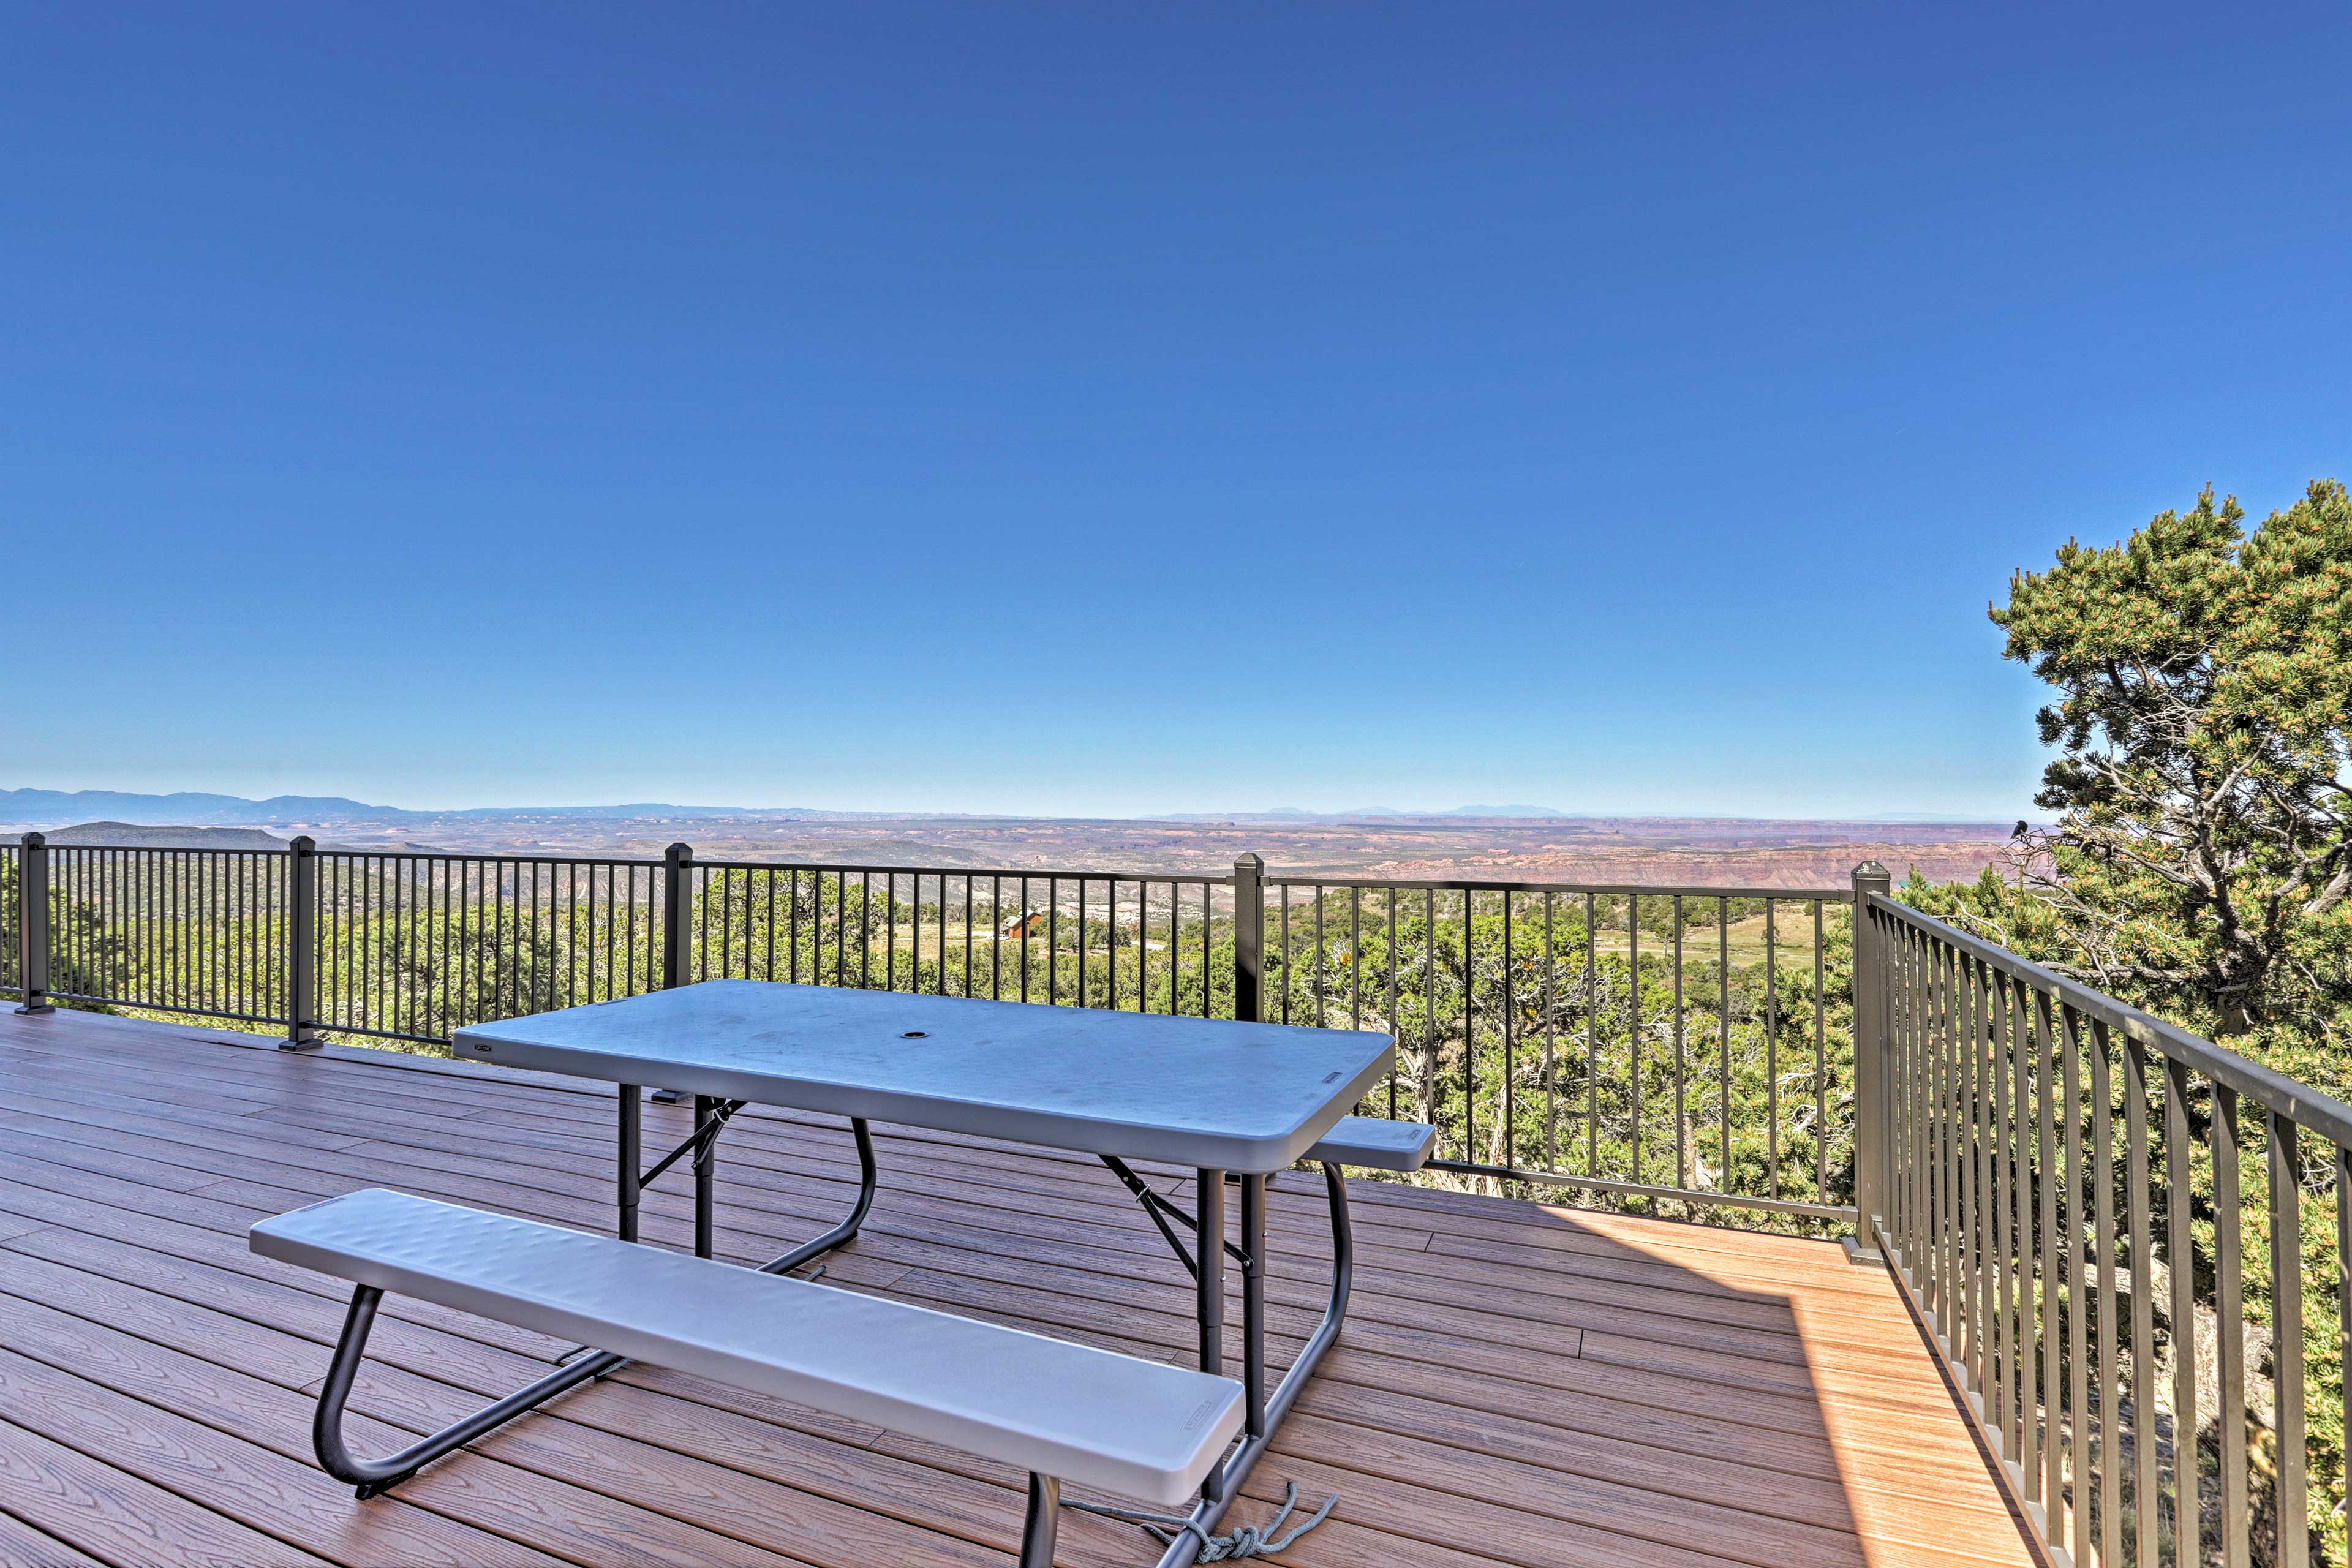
(1220, 1097)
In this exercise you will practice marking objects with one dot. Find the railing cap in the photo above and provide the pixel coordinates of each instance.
(34, 840)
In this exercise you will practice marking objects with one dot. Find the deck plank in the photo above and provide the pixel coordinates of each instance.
(1527, 1385)
(22, 1546)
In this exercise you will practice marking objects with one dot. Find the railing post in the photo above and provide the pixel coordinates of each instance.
(678, 898)
(1249, 937)
(677, 890)
(1872, 1088)
(32, 924)
(301, 945)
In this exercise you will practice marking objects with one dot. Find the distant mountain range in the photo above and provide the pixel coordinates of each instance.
(39, 808)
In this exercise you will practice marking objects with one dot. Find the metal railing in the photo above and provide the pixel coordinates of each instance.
(1685, 1044)
(412, 946)
(1688, 1044)
(2127, 1244)
(198, 932)
(1130, 941)
(2104, 1219)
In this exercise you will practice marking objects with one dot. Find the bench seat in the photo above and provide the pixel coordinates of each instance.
(1136, 1427)
(1374, 1143)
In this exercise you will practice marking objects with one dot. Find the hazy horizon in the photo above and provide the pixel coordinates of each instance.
(11, 801)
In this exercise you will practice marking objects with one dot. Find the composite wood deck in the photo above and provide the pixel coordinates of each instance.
(1516, 1385)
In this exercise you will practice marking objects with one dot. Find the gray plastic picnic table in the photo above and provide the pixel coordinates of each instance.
(1211, 1094)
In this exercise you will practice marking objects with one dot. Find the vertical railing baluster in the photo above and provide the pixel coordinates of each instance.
(1722, 1024)
(1960, 1211)
(2182, 1263)
(2342, 1172)
(2078, 1246)
(2013, 1223)
(2010, 1205)
(1919, 1051)
(1822, 1077)
(1682, 1152)
(2293, 1496)
(2022, 1256)
(1593, 1039)
(1321, 961)
(1990, 1270)
(2230, 1325)
(2112, 1333)
(1469, 1041)
(2139, 1189)
(1771, 1051)
(767, 957)
(2044, 1324)
(1633, 1027)
(1510, 1041)
(1356, 957)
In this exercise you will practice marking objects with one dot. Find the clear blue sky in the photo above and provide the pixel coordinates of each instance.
(1125, 409)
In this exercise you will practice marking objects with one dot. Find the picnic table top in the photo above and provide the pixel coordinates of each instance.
(1205, 1092)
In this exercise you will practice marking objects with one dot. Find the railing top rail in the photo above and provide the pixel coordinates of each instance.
(1613, 890)
(54, 848)
(347, 853)
(487, 856)
(1032, 873)
(2299, 1103)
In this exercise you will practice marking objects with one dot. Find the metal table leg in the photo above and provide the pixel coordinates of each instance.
(1039, 1528)
(375, 1476)
(1253, 1304)
(632, 1128)
(706, 1175)
(1209, 1283)
(1224, 1484)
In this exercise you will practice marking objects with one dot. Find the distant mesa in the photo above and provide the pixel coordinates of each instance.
(146, 835)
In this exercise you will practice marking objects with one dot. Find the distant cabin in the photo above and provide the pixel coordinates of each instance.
(1021, 927)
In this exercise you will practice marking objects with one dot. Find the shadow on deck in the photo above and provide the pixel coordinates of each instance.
(1516, 1385)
